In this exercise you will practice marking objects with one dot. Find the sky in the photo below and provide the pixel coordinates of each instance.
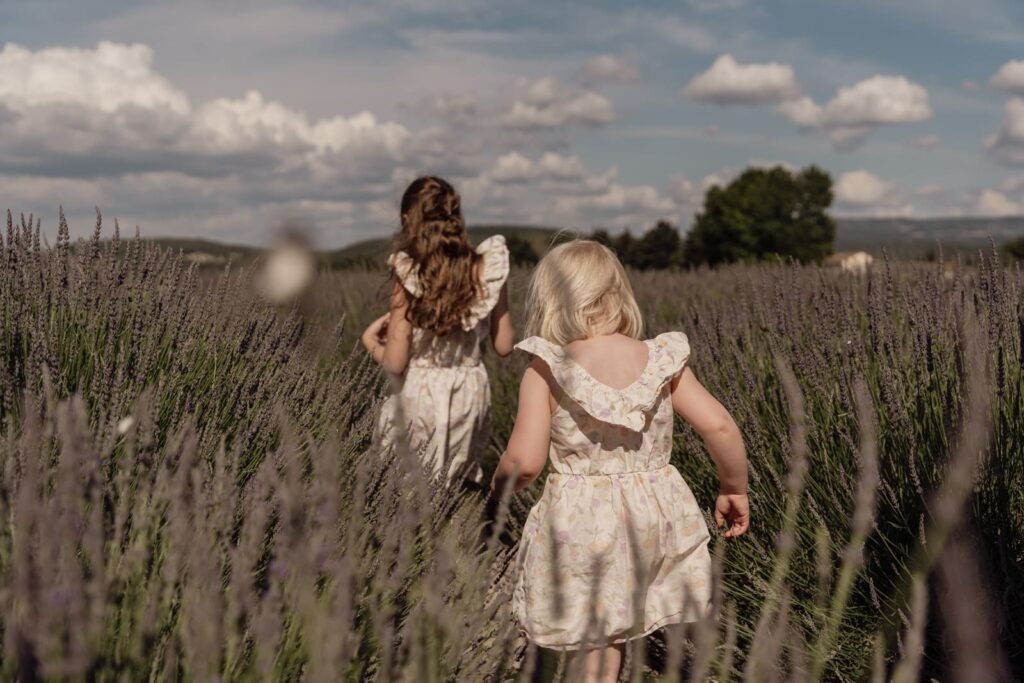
(226, 120)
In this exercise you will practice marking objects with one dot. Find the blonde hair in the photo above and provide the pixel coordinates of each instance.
(580, 289)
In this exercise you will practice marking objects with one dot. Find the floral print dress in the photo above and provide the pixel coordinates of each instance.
(616, 547)
(443, 399)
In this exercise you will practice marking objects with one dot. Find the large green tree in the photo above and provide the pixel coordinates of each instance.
(764, 214)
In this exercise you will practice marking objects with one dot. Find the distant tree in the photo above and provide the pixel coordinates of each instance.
(520, 252)
(1015, 248)
(658, 248)
(764, 214)
(563, 236)
(601, 236)
(624, 247)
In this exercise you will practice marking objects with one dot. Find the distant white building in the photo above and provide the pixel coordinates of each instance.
(856, 262)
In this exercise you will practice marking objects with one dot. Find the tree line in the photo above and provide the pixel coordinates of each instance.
(763, 214)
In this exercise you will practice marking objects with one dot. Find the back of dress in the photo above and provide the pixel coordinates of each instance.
(598, 429)
(617, 532)
(460, 346)
(443, 404)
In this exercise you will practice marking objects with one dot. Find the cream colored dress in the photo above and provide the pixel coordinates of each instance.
(617, 534)
(445, 395)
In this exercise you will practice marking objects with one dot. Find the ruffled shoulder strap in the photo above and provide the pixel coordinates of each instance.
(493, 273)
(563, 368)
(406, 271)
(628, 407)
(669, 354)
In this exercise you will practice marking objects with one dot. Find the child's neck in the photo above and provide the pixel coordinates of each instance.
(599, 335)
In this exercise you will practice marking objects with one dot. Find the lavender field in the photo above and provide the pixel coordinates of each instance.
(188, 490)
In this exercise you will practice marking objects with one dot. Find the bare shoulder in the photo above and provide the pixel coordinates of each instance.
(539, 369)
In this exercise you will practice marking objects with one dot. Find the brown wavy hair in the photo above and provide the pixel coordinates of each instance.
(434, 235)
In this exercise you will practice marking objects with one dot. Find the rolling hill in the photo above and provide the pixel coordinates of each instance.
(900, 237)
(376, 250)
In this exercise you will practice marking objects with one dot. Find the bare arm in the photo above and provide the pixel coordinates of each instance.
(395, 355)
(373, 337)
(502, 332)
(716, 427)
(527, 449)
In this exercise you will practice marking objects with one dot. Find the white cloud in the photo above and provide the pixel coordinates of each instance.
(232, 125)
(1007, 145)
(108, 78)
(636, 206)
(1010, 77)
(517, 168)
(876, 101)
(544, 92)
(253, 122)
(684, 192)
(969, 86)
(609, 69)
(719, 178)
(861, 187)
(101, 126)
(995, 203)
(547, 103)
(926, 142)
(553, 165)
(848, 117)
(559, 190)
(803, 112)
(728, 82)
(106, 111)
(1013, 184)
(513, 167)
(864, 194)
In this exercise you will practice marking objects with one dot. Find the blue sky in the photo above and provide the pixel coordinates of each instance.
(225, 119)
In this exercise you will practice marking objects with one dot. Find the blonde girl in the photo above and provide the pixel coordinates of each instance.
(616, 546)
(447, 299)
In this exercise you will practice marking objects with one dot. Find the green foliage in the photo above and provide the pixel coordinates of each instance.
(520, 252)
(1015, 249)
(625, 247)
(601, 236)
(764, 214)
(659, 248)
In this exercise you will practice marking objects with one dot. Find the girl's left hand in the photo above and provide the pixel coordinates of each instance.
(733, 509)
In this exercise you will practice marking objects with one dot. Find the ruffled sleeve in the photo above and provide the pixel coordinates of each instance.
(628, 407)
(493, 274)
(405, 270)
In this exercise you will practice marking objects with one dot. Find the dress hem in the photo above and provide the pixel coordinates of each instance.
(677, 618)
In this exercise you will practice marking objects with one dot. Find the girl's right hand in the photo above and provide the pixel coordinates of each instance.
(733, 508)
(376, 334)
